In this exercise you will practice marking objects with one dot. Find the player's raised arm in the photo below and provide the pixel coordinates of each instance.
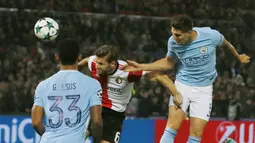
(159, 65)
(38, 111)
(83, 62)
(218, 40)
(243, 58)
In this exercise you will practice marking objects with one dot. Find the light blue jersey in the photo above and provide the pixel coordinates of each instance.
(66, 98)
(197, 60)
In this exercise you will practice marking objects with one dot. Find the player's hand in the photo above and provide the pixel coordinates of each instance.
(131, 66)
(243, 58)
(177, 100)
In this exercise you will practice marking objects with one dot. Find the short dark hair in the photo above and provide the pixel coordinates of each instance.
(68, 51)
(182, 22)
(111, 52)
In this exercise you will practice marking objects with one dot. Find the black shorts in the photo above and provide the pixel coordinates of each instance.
(112, 125)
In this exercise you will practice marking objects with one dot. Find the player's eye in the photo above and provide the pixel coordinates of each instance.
(177, 35)
(99, 63)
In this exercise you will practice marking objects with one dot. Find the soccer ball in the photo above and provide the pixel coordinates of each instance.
(46, 29)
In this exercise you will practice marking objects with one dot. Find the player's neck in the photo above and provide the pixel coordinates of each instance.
(69, 67)
(113, 69)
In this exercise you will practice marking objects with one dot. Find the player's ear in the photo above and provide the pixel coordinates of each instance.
(113, 63)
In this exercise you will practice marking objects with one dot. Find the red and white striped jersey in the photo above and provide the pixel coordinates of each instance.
(117, 87)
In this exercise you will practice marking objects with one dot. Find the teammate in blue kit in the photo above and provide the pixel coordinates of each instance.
(67, 99)
(195, 50)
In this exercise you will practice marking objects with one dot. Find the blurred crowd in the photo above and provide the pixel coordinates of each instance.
(25, 61)
(198, 8)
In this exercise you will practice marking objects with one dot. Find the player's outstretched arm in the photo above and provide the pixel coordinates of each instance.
(168, 83)
(83, 62)
(159, 65)
(243, 58)
(96, 123)
(37, 122)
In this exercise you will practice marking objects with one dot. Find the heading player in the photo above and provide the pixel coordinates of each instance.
(67, 98)
(195, 49)
(117, 88)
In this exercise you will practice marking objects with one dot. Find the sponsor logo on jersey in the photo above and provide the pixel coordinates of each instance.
(117, 90)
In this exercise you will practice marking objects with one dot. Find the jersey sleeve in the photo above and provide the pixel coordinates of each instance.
(91, 62)
(217, 38)
(95, 98)
(170, 51)
(38, 97)
(135, 76)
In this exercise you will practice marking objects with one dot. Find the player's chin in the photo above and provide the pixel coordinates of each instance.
(100, 72)
(178, 42)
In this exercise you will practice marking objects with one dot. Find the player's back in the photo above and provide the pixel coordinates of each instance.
(66, 98)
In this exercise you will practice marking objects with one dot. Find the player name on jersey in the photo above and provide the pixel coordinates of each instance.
(65, 86)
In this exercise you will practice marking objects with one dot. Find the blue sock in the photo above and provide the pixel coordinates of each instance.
(194, 140)
(168, 136)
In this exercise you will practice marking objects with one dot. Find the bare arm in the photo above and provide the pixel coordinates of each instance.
(164, 80)
(168, 83)
(96, 123)
(83, 62)
(37, 123)
(230, 47)
(242, 58)
(160, 65)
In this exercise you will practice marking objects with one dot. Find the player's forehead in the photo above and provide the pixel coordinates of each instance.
(175, 31)
(101, 59)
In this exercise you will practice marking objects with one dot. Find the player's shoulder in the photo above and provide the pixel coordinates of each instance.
(205, 31)
(92, 57)
(171, 44)
(119, 71)
(41, 84)
(48, 80)
(90, 79)
(171, 40)
(120, 64)
(44, 82)
(83, 77)
(87, 79)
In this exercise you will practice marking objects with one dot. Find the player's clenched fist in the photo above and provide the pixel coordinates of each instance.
(243, 58)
